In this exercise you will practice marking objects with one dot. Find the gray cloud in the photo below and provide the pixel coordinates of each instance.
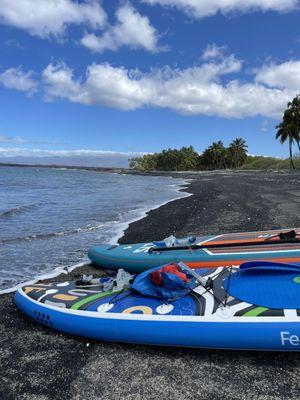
(19, 140)
(81, 157)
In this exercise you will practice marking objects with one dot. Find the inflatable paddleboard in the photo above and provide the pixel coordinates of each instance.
(222, 250)
(252, 307)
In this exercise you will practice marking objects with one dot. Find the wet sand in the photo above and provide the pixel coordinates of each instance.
(38, 363)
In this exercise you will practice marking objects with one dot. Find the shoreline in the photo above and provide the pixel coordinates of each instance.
(42, 364)
(181, 187)
(130, 229)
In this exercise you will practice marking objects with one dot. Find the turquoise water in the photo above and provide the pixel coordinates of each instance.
(50, 217)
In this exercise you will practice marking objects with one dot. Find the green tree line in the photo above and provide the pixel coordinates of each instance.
(216, 156)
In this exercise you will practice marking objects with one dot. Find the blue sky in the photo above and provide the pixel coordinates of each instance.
(94, 79)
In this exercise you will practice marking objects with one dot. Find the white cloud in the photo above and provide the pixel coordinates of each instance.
(50, 17)
(285, 75)
(213, 51)
(15, 78)
(129, 90)
(264, 125)
(132, 29)
(59, 79)
(206, 8)
(213, 87)
(199, 90)
(14, 43)
(19, 140)
(104, 84)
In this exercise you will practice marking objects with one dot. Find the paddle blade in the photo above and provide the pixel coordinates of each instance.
(271, 265)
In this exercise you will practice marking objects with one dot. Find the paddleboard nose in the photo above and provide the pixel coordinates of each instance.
(106, 255)
(95, 251)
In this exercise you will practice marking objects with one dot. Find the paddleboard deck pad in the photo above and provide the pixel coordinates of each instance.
(251, 309)
(136, 258)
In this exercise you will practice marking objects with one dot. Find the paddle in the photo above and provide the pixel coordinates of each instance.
(207, 283)
(272, 266)
(198, 278)
(287, 237)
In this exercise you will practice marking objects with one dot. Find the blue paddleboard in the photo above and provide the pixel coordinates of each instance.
(137, 258)
(252, 307)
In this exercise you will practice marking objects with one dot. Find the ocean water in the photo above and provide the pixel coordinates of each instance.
(50, 217)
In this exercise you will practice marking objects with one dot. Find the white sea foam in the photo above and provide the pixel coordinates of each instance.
(57, 271)
(143, 212)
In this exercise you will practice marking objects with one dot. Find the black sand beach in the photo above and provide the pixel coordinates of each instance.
(39, 364)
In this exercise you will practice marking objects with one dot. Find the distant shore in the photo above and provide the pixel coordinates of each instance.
(61, 166)
(181, 174)
(38, 363)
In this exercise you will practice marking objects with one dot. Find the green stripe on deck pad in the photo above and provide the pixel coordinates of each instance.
(255, 312)
(96, 296)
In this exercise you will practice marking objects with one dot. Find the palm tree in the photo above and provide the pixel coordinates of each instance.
(285, 132)
(237, 152)
(214, 157)
(293, 114)
(289, 127)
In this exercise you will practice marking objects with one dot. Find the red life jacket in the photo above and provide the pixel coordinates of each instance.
(156, 277)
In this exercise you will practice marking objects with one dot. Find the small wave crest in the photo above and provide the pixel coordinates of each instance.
(17, 210)
(44, 236)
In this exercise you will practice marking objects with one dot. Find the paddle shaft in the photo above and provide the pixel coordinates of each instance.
(224, 245)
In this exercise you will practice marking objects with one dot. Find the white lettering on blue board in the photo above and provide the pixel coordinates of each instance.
(144, 248)
(290, 339)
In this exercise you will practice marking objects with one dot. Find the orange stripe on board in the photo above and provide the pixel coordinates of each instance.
(249, 249)
(222, 263)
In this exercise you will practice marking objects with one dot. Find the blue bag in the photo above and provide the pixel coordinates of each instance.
(172, 286)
